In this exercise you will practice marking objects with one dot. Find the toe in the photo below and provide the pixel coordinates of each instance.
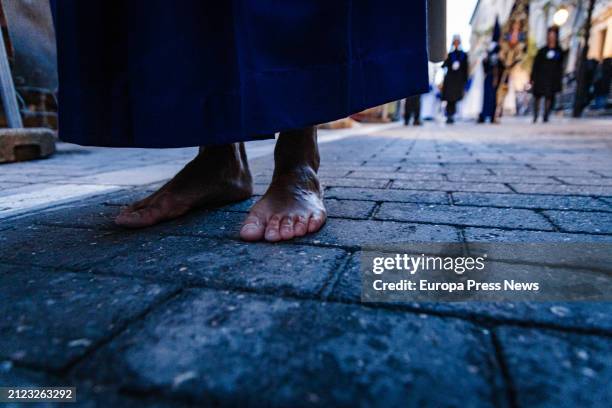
(286, 227)
(125, 216)
(140, 218)
(139, 205)
(253, 228)
(124, 211)
(301, 227)
(273, 229)
(316, 222)
(130, 218)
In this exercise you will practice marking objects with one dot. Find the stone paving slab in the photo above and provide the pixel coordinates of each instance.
(562, 189)
(531, 201)
(350, 233)
(133, 177)
(398, 176)
(574, 221)
(569, 315)
(501, 179)
(586, 181)
(34, 198)
(408, 167)
(9, 184)
(366, 168)
(527, 173)
(350, 209)
(373, 194)
(498, 235)
(470, 216)
(451, 186)
(282, 269)
(66, 248)
(51, 318)
(554, 369)
(10, 179)
(219, 348)
(294, 269)
(349, 182)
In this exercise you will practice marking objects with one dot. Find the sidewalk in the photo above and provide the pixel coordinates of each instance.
(186, 312)
(75, 173)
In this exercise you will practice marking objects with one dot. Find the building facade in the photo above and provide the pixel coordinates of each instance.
(542, 16)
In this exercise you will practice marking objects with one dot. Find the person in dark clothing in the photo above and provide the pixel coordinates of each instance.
(601, 83)
(412, 109)
(493, 69)
(547, 73)
(456, 78)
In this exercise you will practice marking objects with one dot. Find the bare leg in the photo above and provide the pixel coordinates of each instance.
(218, 175)
(293, 204)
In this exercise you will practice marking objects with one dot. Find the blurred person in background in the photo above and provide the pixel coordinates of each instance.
(493, 68)
(456, 78)
(513, 49)
(412, 109)
(601, 83)
(547, 74)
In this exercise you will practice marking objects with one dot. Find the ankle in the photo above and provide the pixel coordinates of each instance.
(295, 149)
(303, 176)
(225, 153)
(230, 160)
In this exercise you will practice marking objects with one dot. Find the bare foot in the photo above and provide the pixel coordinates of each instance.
(293, 204)
(218, 175)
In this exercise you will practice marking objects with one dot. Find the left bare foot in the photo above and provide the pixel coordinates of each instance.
(218, 175)
(293, 204)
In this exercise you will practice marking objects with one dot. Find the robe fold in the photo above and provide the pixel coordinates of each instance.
(155, 73)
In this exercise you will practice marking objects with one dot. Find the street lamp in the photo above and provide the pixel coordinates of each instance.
(561, 16)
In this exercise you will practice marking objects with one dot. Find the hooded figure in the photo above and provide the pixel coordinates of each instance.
(456, 78)
(493, 69)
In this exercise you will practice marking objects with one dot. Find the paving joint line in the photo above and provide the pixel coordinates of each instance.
(65, 369)
(509, 387)
(329, 285)
(122, 328)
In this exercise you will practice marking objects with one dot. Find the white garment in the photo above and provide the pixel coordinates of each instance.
(472, 101)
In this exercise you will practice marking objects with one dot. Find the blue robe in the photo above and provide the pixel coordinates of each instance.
(155, 73)
(493, 68)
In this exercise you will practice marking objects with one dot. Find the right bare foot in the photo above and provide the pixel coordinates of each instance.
(218, 175)
(293, 204)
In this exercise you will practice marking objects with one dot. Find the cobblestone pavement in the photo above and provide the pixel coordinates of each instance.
(185, 313)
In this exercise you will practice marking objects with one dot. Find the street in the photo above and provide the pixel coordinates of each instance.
(185, 311)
